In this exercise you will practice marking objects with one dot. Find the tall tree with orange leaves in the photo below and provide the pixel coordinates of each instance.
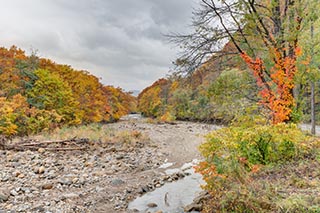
(265, 33)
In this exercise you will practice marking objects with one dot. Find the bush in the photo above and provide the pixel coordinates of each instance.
(233, 154)
(246, 145)
(167, 117)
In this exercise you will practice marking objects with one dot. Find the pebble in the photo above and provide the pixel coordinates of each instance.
(40, 170)
(21, 176)
(47, 186)
(152, 205)
(13, 192)
(38, 209)
(145, 189)
(4, 195)
(75, 180)
(116, 182)
(65, 181)
(41, 150)
(193, 207)
(99, 189)
(69, 196)
(23, 208)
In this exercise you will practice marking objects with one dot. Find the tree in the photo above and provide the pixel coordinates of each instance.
(51, 93)
(265, 33)
(121, 103)
(86, 89)
(152, 100)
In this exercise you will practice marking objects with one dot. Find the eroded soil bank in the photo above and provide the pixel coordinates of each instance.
(102, 178)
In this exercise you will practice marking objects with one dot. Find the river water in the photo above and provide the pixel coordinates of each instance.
(171, 197)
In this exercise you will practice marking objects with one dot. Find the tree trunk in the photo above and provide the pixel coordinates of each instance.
(313, 114)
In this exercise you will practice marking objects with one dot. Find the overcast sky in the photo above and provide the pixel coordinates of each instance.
(120, 41)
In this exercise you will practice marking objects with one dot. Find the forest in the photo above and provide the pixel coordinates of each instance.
(37, 94)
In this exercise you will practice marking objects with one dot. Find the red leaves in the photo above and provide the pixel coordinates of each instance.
(277, 84)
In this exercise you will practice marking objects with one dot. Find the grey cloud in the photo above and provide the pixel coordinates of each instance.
(120, 41)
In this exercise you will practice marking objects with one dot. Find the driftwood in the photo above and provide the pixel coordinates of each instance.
(58, 145)
(75, 140)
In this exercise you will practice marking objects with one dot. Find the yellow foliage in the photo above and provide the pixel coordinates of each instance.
(167, 117)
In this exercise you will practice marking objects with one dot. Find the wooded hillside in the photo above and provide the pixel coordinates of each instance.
(38, 94)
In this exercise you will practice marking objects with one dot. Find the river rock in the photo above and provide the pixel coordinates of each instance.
(204, 195)
(116, 182)
(13, 192)
(4, 177)
(69, 196)
(65, 181)
(4, 195)
(143, 189)
(193, 207)
(23, 208)
(47, 186)
(40, 170)
(38, 209)
(197, 204)
(119, 157)
(152, 205)
(99, 189)
(41, 150)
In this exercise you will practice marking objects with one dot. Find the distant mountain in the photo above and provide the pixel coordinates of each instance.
(135, 93)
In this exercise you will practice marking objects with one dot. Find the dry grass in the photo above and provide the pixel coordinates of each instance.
(289, 187)
(96, 133)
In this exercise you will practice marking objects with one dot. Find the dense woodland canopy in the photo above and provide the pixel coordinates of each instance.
(38, 94)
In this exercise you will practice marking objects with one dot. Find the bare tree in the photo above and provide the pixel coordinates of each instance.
(252, 26)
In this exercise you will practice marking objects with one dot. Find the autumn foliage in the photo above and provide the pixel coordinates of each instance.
(38, 94)
(276, 85)
(210, 94)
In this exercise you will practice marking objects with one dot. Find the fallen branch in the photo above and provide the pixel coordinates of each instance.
(44, 145)
(65, 149)
(76, 140)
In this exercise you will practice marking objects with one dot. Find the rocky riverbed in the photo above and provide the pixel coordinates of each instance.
(102, 178)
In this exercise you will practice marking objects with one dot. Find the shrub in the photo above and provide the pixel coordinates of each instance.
(246, 145)
(167, 117)
(233, 154)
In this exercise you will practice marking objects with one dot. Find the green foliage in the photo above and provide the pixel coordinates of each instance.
(51, 93)
(256, 143)
(181, 102)
(221, 99)
(18, 118)
(231, 152)
(235, 154)
(232, 93)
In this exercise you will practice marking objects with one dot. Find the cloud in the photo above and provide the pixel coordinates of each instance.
(119, 41)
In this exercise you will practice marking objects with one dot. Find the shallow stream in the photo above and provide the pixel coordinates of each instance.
(173, 196)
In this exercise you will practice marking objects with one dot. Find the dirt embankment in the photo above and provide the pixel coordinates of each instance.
(101, 178)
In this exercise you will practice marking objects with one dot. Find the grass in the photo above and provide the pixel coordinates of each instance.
(96, 133)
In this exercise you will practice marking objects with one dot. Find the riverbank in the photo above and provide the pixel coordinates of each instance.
(110, 172)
